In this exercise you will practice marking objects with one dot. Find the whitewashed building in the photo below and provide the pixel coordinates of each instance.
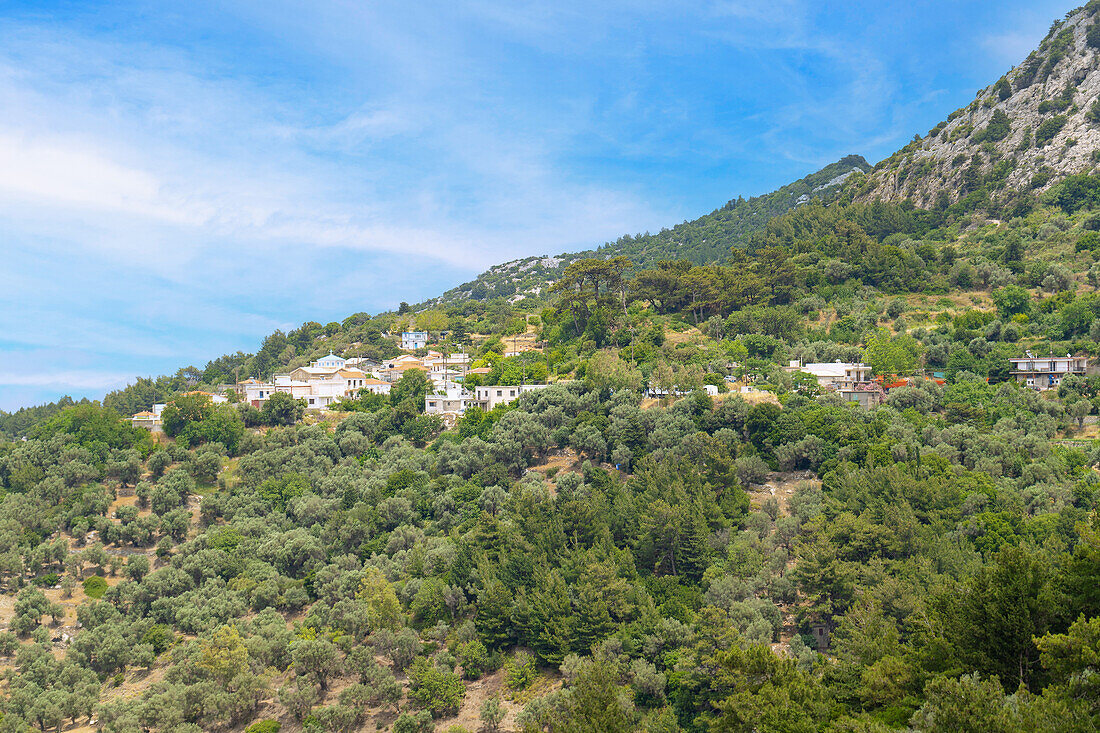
(376, 386)
(1047, 372)
(321, 384)
(661, 392)
(330, 362)
(489, 397)
(413, 340)
(147, 421)
(453, 401)
(834, 375)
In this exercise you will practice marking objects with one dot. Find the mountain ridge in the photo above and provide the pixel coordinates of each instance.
(703, 240)
(1032, 127)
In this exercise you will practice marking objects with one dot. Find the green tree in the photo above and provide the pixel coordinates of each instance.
(1011, 300)
(183, 411)
(968, 704)
(439, 690)
(431, 320)
(992, 622)
(892, 356)
(492, 714)
(282, 409)
(597, 703)
(412, 388)
(317, 659)
(762, 691)
(223, 655)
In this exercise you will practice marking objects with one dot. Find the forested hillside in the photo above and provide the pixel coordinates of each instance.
(702, 241)
(620, 551)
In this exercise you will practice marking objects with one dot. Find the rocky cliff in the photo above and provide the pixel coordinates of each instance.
(1033, 126)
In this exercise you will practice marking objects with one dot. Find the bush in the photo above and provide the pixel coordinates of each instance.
(751, 470)
(439, 690)
(520, 671)
(1049, 129)
(282, 409)
(160, 637)
(48, 580)
(474, 659)
(95, 587)
(409, 723)
(264, 726)
(1093, 115)
(1088, 242)
(1092, 36)
(998, 128)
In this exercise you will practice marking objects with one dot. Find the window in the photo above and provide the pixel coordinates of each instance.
(511, 393)
(311, 400)
(500, 393)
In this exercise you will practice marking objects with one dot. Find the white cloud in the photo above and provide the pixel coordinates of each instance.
(138, 157)
(44, 171)
(66, 379)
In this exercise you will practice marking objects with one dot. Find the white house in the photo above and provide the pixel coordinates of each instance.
(362, 363)
(438, 362)
(146, 420)
(489, 397)
(1043, 373)
(320, 386)
(376, 386)
(834, 374)
(655, 391)
(454, 400)
(412, 340)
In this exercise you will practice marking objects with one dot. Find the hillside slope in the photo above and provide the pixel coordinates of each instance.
(703, 240)
(1035, 125)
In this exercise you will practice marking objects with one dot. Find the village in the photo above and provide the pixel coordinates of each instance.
(324, 383)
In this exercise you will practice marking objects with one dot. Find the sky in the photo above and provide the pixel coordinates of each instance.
(178, 180)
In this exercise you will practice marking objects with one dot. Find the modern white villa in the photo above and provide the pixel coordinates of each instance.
(456, 400)
(834, 375)
(1047, 372)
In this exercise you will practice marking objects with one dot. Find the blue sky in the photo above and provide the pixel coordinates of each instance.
(179, 179)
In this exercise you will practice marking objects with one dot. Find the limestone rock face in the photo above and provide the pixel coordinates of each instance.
(1031, 128)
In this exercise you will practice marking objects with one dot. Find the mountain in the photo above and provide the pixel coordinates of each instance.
(1034, 126)
(703, 240)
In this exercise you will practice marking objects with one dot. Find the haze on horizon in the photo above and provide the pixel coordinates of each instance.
(175, 184)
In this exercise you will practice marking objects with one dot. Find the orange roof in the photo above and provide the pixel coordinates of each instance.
(196, 391)
(480, 370)
(143, 413)
(373, 381)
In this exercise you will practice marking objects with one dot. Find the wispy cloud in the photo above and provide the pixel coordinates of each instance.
(175, 184)
(66, 380)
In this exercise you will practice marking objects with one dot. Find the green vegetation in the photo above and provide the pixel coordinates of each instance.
(624, 562)
(1049, 128)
